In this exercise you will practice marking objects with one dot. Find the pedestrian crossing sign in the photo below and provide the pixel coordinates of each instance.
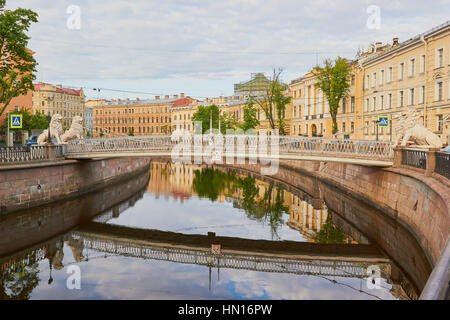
(383, 121)
(16, 121)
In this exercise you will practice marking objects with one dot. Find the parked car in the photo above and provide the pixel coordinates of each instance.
(32, 140)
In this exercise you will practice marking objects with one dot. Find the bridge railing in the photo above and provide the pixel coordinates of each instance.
(365, 149)
(19, 154)
(430, 162)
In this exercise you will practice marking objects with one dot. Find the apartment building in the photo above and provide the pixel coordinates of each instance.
(413, 74)
(182, 111)
(134, 117)
(310, 110)
(49, 100)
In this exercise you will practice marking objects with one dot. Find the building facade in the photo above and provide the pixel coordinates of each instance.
(49, 100)
(401, 76)
(134, 117)
(310, 110)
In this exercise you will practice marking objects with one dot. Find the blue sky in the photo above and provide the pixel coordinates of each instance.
(201, 48)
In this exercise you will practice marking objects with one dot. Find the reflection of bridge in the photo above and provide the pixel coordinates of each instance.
(259, 255)
(370, 153)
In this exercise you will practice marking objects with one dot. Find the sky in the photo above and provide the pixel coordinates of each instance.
(202, 48)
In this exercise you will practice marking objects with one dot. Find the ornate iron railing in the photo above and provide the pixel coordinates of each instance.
(362, 149)
(27, 153)
(443, 164)
(414, 158)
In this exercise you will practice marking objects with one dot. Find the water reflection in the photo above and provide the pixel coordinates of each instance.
(154, 245)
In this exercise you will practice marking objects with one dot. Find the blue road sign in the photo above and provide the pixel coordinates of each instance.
(383, 121)
(16, 121)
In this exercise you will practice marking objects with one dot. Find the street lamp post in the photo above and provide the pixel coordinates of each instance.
(48, 130)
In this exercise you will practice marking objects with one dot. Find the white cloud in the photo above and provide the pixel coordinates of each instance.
(153, 41)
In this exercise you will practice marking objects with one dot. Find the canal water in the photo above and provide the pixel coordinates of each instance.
(193, 232)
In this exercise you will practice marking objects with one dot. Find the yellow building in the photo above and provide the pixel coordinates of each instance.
(403, 75)
(181, 112)
(49, 99)
(140, 117)
(310, 111)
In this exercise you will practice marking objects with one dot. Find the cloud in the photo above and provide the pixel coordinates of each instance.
(179, 40)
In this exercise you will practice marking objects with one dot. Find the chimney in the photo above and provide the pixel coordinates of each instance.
(118, 100)
(181, 95)
(59, 86)
(157, 97)
(395, 41)
(379, 45)
(137, 99)
(175, 96)
(128, 99)
(166, 96)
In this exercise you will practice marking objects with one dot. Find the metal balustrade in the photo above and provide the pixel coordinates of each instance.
(414, 158)
(22, 153)
(360, 149)
(443, 164)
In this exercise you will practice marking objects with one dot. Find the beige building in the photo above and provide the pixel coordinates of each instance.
(310, 111)
(49, 100)
(137, 117)
(182, 111)
(404, 75)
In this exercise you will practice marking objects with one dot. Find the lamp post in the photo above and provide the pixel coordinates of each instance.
(49, 139)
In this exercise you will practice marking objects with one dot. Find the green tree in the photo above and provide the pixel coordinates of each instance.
(17, 62)
(329, 233)
(29, 121)
(333, 80)
(131, 133)
(250, 119)
(205, 113)
(273, 102)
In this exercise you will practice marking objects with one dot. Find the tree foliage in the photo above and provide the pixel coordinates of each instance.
(29, 121)
(16, 61)
(273, 102)
(250, 119)
(204, 114)
(333, 80)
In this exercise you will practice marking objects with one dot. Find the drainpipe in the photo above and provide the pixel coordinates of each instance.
(425, 96)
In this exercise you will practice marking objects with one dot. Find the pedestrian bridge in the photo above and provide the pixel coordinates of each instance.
(217, 148)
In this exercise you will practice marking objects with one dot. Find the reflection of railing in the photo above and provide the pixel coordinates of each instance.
(354, 269)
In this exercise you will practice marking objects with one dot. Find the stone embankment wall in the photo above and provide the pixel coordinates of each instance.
(26, 186)
(416, 202)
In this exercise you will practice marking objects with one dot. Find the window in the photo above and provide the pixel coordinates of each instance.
(400, 98)
(401, 70)
(381, 78)
(411, 96)
(352, 104)
(367, 82)
(439, 94)
(439, 123)
(389, 100)
(374, 103)
(411, 67)
(366, 129)
(440, 58)
(422, 64)
(382, 102)
(344, 104)
(390, 74)
(374, 79)
(352, 126)
(422, 95)
(366, 105)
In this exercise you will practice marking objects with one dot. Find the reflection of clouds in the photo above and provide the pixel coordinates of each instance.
(169, 215)
(119, 277)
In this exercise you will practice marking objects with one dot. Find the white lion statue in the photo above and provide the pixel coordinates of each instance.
(56, 130)
(75, 131)
(409, 129)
